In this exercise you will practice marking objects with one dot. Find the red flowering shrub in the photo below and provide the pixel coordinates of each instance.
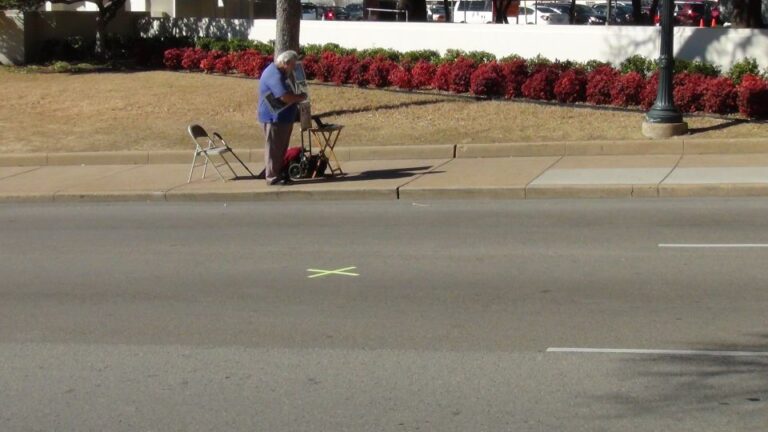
(599, 83)
(208, 64)
(752, 96)
(310, 63)
(401, 76)
(192, 58)
(719, 96)
(571, 87)
(172, 58)
(627, 90)
(442, 80)
(648, 95)
(378, 72)
(251, 63)
(488, 80)
(343, 68)
(422, 74)
(541, 85)
(515, 75)
(688, 91)
(327, 66)
(461, 75)
(360, 72)
(225, 64)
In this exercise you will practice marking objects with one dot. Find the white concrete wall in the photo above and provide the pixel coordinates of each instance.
(720, 46)
(11, 38)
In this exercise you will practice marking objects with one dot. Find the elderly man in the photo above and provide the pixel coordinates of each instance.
(277, 112)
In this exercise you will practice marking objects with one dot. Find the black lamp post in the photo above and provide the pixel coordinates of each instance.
(664, 119)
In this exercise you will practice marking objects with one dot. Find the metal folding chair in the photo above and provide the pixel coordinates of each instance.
(212, 146)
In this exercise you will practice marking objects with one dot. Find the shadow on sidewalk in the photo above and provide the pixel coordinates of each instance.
(724, 125)
(384, 174)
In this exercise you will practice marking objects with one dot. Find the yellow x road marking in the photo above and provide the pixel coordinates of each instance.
(342, 271)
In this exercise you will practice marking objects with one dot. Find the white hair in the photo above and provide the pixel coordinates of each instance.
(286, 57)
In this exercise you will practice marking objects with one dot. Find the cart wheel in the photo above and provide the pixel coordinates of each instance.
(294, 171)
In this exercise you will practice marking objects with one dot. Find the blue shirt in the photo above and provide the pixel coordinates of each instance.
(276, 82)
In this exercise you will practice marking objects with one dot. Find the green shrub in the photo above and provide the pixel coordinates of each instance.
(379, 52)
(743, 67)
(313, 49)
(703, 68)
(539, 60)
(204, 43)
(431, 56)
(236, 45)
(451, 55)
(263, 47)
(510, 58)
(336, 48)
(636, 63)
(61, 67)
(480, 57)
(591, 65)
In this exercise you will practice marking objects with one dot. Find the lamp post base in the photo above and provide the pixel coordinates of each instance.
(664, 130)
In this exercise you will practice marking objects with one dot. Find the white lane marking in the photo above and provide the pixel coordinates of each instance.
(341, 271)
(420, 205)
(662, 352)
(713, 245)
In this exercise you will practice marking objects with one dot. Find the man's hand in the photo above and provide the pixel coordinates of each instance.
(290, 98)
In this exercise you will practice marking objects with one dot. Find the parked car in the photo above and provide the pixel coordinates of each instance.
(355, 11)
(541, 15)
(473, 11)
(693, 13)
(309, 11)
(436, 13)
(620, 14)
(335, 13)
(583, 14)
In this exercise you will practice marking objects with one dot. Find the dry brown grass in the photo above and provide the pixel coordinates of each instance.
(150, 110)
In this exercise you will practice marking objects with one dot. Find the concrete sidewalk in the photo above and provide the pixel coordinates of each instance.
(604, 176)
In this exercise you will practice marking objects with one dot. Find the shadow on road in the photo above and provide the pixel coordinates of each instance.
(696, 383)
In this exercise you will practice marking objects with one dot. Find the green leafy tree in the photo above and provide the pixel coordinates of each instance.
(107, 11)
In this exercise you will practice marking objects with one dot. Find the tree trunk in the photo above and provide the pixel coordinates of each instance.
(572, 12)
(637, 11)
(501, 7)
(100, 50)
(288, 21)
(747, 14)
(653, 11)
(417, 9)
(448, 11)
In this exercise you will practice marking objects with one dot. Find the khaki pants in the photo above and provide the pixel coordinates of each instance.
(278, 136)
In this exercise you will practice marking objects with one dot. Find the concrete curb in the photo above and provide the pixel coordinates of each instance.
(679, 146)
(425, 194)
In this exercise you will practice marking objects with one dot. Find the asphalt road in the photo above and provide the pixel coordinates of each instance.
(204, 317)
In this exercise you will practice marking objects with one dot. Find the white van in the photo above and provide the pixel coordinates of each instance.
(473, 11)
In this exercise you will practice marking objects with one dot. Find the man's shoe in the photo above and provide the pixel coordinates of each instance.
(275, 181)
(287, 181)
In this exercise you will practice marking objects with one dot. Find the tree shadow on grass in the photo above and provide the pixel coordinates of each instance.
(724, 125)
(382, 107)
